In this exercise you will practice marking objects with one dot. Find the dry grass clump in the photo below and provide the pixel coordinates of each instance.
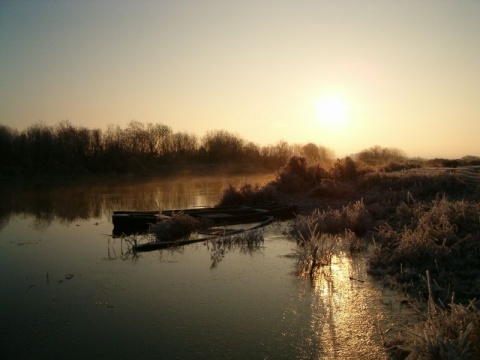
(451, 332)
(357, 217)
(355, 243)
(314, 251)
(440, 236)
(325, 221)
(178, 226)
(247, 194)
(354, 217)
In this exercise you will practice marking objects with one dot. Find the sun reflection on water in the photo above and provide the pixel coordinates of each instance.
(346, 311)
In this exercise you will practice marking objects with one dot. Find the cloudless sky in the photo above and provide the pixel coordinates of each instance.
(404, 74)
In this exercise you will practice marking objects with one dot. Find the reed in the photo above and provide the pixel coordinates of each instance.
(353, 217)
(355, 243)
(447, 332)
(314, 250)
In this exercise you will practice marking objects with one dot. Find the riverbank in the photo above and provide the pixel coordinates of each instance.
(424, 227)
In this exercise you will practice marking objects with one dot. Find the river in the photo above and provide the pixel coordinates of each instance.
(72, 291)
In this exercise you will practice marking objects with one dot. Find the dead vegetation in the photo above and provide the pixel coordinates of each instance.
(446, 332)
(419, 220)
(247, 194)
(314, 250)
(177, 226)
(441, 236)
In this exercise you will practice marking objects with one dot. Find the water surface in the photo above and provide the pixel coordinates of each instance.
(70, 290)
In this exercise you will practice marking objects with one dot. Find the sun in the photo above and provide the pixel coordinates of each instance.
(331, 111)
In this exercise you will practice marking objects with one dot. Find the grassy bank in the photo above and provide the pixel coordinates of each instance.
(424, 226)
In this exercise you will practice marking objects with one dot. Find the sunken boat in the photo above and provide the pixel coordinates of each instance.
(130, 222)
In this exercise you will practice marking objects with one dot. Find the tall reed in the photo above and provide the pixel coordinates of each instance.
(314, 250)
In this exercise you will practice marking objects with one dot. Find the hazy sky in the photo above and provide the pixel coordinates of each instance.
(344, 74)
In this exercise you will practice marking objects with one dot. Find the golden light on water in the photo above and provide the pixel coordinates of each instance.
(345, 312)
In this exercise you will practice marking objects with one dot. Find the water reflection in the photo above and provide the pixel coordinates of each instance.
(170, 303)
(347, 311)
(247, 243)
(120, 248)
(70, 203)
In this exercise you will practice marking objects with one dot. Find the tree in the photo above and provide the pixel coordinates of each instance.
(222, 146)
(7, 139)
(317, 154)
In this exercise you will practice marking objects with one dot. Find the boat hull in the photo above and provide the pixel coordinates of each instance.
(130, 222)
(207, 234)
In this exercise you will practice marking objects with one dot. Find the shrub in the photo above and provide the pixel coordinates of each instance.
(378, 155)
(297, 176)
(344, 169)
(247, 194)
(357, 218)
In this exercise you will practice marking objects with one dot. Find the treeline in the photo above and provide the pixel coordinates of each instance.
(145, 148)
(65, 149)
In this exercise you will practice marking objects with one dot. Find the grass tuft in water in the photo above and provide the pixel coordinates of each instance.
(314, 250)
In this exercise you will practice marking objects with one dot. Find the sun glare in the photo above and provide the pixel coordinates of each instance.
(331, 111)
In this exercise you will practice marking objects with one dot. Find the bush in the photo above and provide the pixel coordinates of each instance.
(296, 176)
(344, 169)
(378, 155)
(247, 194)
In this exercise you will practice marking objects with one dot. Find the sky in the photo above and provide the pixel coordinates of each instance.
(343, 74)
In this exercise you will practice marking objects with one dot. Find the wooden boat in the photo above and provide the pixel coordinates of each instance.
(130, 222)
(203, 235)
